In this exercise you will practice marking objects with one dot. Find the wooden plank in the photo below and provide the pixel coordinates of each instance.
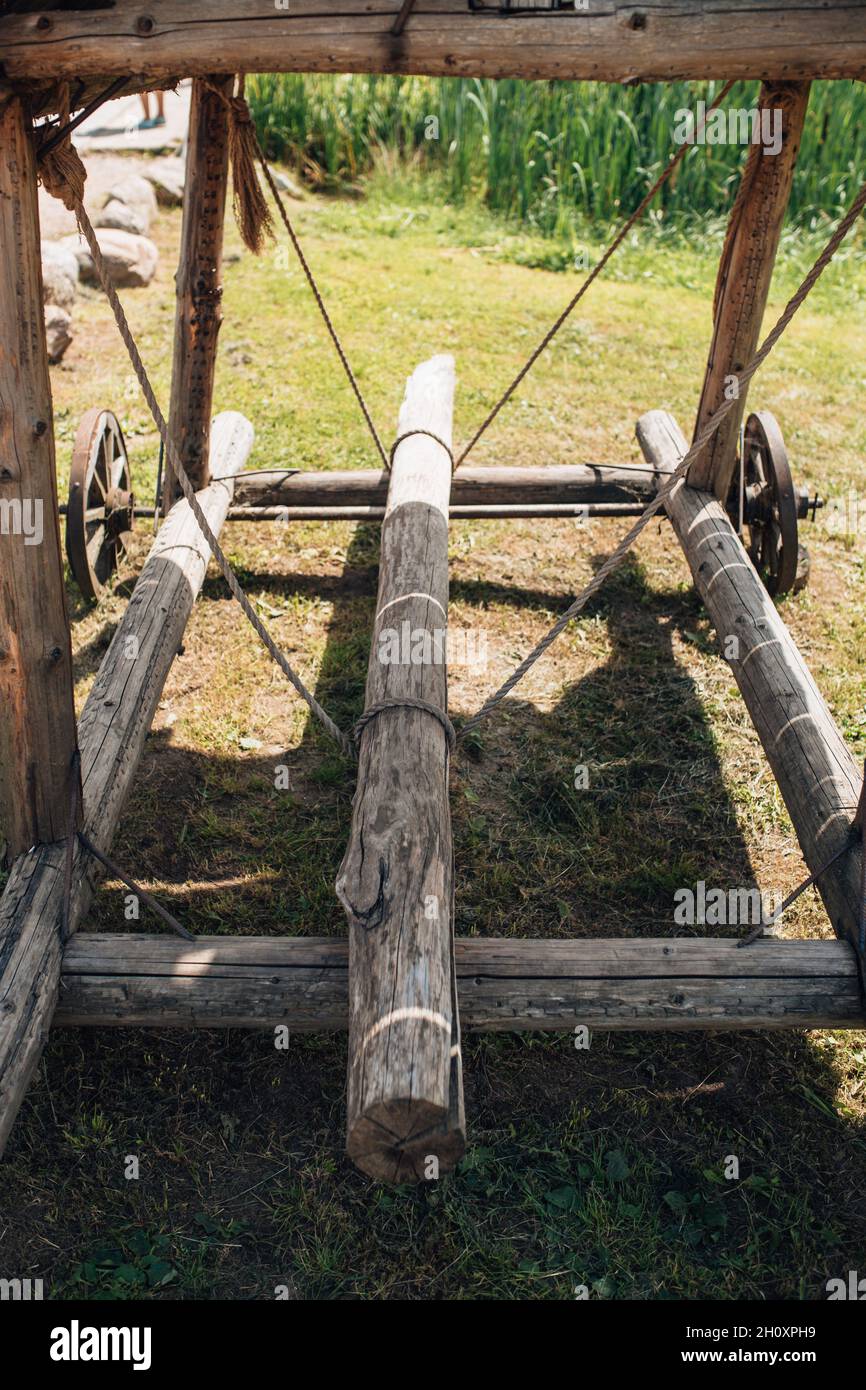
(199, 284)
(396, 880)
(554, 484)
(113, 727)
(745, 273)
(817, 775)
(37, 725)
(658, 40)
(502, 984)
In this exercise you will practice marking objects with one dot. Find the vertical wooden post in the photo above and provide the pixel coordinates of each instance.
(199, 281)
(745, 272)
(405, 1097)
(37, 713)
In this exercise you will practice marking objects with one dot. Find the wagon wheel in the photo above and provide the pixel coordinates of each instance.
(770, 504)
(100, 509)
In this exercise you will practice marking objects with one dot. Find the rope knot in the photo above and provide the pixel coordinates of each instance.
(61, 171)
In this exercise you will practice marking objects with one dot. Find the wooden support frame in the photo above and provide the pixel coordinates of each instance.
(37, 723)
(112, 731)
(743, 283)
(657, 40)
(396, 881)
(656, 984)
(817, 775)
(199, 283)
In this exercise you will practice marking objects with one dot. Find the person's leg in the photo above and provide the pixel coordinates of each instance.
(147, 122)
(159, 118)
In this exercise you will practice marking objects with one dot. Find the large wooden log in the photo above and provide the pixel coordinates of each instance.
(658, 984)
(745, 273)
(396, 880)
(37, 713)
(657, 40)
(817, 775)
(199, 283)
(491, 486)
(112, 731)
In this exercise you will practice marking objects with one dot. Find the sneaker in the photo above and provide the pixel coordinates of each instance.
(148, 123)
(158, 120)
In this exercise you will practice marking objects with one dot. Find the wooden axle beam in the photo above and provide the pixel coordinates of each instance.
(655, 984)
(113, 727)
(396, 881)
(817, 775)
(657, 40)
(500, 486)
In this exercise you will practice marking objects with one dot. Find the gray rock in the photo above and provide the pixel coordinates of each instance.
(286, 184)
(58, 331)
(167, 177)
(130, 260)
(122, 217)
(62, 257)
(137, 193)
(58, 287)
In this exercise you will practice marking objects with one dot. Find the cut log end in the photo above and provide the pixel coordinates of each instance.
(405, 1140)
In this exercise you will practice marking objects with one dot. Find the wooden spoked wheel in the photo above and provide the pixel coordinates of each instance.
(770, 504)
(100, 510)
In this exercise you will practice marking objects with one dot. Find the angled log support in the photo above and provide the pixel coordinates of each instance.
(199, 282)
(396, 880)
(745, 272)
(37, 713)
(817, 775)
(112, 731)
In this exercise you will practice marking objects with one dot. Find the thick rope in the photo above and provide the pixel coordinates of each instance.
(407, 702)
(408, 435)
(252, 214)
(189, 491)
(676, 478)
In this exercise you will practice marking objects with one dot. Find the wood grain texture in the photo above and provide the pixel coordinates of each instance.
(502, 984)
(198, 284)
(404, 1101)
(489, 486)
(743, 285)
(114, 724)
(37, 713)
(817, 775)
(654, 40)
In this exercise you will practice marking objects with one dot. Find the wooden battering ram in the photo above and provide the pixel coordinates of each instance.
(401, 982)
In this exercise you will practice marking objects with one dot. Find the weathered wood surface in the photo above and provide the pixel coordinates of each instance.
(198, 284)
(404, 1099)
(488, 486)
(656, 40)
(502, 984)
(112, 730)
(817, 775)
(743, 284)
(37, 713)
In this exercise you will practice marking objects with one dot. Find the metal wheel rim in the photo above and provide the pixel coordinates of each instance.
(773, 545)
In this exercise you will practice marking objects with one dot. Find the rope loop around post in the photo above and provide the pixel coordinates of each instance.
(430, 435)
(407, 702)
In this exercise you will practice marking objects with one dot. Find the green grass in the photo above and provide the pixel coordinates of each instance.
(600, 1168)
(552, 154)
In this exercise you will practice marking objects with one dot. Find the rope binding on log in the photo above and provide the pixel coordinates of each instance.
(407, 702)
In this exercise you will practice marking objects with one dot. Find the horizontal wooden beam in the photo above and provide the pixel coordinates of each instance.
(654, 40)
(553, 485)
(817, 775)
(111, 733)
(666, 984)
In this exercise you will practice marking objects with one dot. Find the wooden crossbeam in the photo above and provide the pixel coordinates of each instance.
(817, 775)
(657, 40)
(553, 484)
(656, 984)
(111, 733)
